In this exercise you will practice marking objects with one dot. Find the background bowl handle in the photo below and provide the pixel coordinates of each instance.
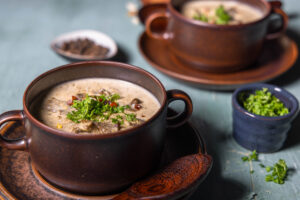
(181, 118)
(275, 6)
(162, 21)
(17, 144)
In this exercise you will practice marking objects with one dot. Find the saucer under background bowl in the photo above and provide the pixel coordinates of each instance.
(277, 57)
(20, 181)
(98, 37)
(260, 133)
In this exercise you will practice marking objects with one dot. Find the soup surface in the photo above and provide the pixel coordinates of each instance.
(96, 106)
(221, 12)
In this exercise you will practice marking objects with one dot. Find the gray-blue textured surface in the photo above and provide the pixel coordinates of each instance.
(27, 28)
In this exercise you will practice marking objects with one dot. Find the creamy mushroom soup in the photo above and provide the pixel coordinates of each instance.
(96, 106)
(221, 12)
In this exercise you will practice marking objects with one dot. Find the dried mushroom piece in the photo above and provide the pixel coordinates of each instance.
(135, 104)
(84, 126)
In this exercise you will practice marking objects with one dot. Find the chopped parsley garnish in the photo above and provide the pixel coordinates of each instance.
(279, 172)
(263, 103)
(117, 120)
(100, 108)
(268, 168)
(222, 16)
(200, 17)
(130, 117)
(251, 157)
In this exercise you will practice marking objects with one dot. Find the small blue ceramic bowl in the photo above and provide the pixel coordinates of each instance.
(263, 134)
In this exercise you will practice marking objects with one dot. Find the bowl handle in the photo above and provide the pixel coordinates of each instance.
(162, 19)
(17, 144)
(181, 118)
(275, 6)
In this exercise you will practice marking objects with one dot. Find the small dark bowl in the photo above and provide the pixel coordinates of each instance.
(96, 36)
(263, 134)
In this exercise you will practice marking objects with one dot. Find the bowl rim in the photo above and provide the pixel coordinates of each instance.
(121, 133)
(113, 47)
(179, 16)
(236, 105)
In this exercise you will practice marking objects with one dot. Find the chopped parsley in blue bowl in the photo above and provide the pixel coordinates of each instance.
(262, 116)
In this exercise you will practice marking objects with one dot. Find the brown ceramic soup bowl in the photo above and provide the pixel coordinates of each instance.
(210, 47)
(95, 164)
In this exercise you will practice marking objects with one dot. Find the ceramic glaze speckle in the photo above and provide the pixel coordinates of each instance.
(54, 108)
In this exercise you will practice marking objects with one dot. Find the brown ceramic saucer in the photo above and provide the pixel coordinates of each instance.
(19, 180)
(277, 57)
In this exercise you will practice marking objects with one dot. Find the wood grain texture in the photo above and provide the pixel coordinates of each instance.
(175, 180)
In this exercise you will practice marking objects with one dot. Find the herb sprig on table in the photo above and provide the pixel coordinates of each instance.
(99, 108)
(251, 157)
(263, 103)
(278, 170)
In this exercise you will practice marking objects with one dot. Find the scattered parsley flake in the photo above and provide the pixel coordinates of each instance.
(279, 172)
(262, 165)
(245, 158)
(269, 168)
(222, 16)
(118, 120)
(130, 117)
(200, 17)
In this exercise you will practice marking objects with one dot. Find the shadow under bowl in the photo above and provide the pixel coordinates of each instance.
(260, 133)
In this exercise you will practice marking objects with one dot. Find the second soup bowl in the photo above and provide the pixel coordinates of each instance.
(95, 164)
(211, 47)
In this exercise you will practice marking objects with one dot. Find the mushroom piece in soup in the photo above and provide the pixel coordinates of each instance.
(97, 106)
(221, 12)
